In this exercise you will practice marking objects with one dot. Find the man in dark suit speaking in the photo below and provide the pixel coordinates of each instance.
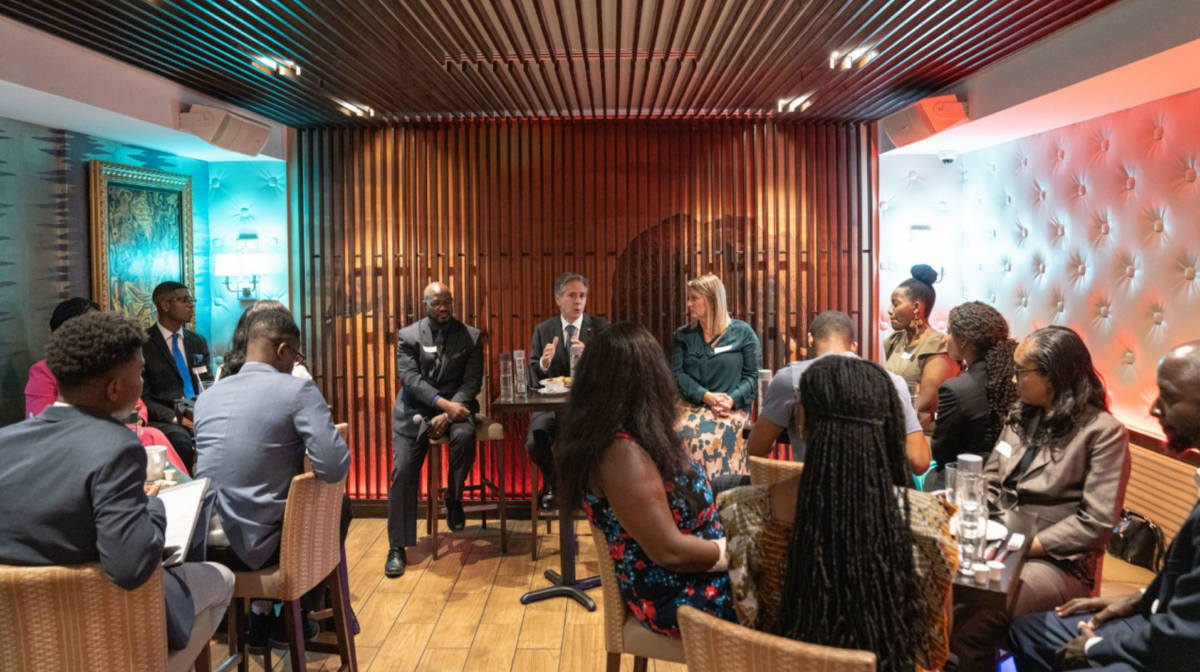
(555, 342)
(440, 362)
(1157, 630)
(177, 365)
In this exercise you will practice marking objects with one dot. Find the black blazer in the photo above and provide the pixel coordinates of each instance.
(161, 383)
(456, 374)
(544, 334)
(1169, 640)
(964, 418)
(72, 483)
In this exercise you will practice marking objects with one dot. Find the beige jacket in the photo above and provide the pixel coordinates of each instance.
(1076, 487)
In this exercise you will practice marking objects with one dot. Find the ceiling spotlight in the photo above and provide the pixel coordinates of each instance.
(801, 103)
(355, 110)
(846, 60)
(275, 66)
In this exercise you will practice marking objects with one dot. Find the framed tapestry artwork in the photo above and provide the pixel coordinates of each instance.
(141, 235)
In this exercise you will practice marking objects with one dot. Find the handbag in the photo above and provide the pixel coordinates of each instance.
(1137, 540)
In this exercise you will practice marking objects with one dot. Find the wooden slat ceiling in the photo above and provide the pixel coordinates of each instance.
(438, 59)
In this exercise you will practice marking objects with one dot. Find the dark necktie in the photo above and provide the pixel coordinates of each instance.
(439, 340)
(181, 366)
(570, 337)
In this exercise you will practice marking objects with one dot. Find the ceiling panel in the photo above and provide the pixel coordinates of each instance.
(417, 59)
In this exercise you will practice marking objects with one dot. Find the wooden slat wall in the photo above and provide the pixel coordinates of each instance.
(785, 214)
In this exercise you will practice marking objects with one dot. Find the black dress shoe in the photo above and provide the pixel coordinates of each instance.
(396, 562)
(456, 518)
(279, 635)
(260, 632)
(546, 499)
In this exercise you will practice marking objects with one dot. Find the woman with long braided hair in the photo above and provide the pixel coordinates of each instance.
(853, 579)
(972, 406)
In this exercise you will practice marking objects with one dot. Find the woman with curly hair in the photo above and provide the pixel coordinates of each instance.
(972, 406)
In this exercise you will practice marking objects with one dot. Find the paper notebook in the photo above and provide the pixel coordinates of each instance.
(183, 503)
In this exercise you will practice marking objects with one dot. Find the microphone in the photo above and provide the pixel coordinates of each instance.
(417, 418)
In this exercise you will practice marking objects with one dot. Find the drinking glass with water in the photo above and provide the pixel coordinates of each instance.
(519, 387)
(506, 376)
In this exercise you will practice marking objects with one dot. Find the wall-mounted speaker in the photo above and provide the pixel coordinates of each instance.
(225, 129)
(923, 119)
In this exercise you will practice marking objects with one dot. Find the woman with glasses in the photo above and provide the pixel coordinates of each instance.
(1064, 459)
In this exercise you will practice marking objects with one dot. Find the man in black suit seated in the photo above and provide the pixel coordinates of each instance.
(553, 342)
(177, 365)
(440, 362)
(73, 483)
(1157, 630)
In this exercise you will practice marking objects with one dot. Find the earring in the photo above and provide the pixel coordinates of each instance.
(917, 322)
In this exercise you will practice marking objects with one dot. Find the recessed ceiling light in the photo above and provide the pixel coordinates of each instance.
(846, 60)
(275, 66)
(355, 110)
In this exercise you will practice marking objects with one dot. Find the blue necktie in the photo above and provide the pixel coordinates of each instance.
(570, 337)
(188, 390)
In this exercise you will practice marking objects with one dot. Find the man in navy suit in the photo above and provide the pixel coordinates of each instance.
(73, 483)
(177, 365)
(552, 345)
(1157, 630)
(440, 362)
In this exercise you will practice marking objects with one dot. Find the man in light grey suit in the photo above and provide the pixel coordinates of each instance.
(253, 431)
(440, 362)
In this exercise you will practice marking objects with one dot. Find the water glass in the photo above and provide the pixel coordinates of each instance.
(506, 376)
(951, 474)
(576, 353)
(519, 386)
(972, 519)
(765, 376)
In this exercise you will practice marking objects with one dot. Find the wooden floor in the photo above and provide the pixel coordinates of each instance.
(463, 611)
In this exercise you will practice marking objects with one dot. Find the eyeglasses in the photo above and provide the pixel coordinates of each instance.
(1020, 371)
(442, 303)
(184, 299)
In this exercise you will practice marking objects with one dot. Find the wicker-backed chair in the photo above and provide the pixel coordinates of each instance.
(713, 645)
(75, 619)
(764, 471)
(622, 633)
(489, 438)
(310, 554)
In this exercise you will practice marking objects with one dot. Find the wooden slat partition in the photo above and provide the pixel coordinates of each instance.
(785, 214)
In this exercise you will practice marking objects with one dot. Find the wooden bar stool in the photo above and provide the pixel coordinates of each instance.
(310, 555)
(489, 440)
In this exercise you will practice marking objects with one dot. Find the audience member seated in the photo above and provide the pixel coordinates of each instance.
(715, 360)
(1063, 458)
(846, 555)
(916, 351)
(74, 478)
(440, 363)
(253, 431)
(176, 365)
(972, 406)
(42, 390)
(622, 460)
(1157, 630)
(556, 341)
(831, 333)
(236, 356)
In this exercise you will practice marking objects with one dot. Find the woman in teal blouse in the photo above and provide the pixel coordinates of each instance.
(715, 360)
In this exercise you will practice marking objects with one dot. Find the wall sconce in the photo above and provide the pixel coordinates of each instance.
(243, 267)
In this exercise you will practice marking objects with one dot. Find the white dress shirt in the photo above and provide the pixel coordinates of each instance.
(578, 324)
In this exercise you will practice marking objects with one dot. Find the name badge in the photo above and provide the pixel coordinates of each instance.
(199, 370)
(1004, 449)
(431, 349)
(723, 349)
(906, 355)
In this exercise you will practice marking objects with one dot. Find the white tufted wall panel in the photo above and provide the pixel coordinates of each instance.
(920, 215)
(1095, 226)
